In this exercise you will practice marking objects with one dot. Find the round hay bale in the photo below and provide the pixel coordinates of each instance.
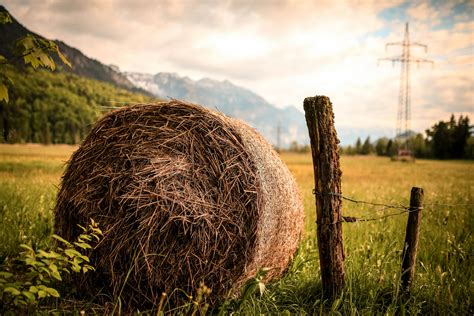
(183, 195)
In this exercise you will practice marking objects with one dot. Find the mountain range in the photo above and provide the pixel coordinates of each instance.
(232, 100)
(278, 125)
(223, 96)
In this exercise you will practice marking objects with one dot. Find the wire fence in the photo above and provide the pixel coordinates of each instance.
(381, 207)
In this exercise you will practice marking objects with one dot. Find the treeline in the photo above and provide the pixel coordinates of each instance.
(444, 140)
(55, 107)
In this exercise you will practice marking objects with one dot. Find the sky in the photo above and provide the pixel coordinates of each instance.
(284, 50)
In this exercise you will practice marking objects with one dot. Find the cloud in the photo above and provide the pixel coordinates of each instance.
(284, 50)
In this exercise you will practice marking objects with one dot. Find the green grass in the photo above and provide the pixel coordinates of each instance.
(444, 282)
(29, 176)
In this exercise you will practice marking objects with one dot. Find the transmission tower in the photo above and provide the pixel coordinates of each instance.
(405, 59)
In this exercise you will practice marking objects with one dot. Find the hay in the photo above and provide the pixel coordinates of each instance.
(184, 195)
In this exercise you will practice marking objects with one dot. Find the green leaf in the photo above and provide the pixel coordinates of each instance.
(63, 58)
(27, 42)
(5, 275)
(33, 289)
(46, 60)
(71, 253)
(261, 288)
(32, 262)
(5, 18)
(84, 237)
(12, 290)
(30, 296)
(4, 93)
(49, 290)
(32, 59)
(54, 272)
(50, 254)
(75, 267)
(56, 275)
(60, 239)
(26, 247)
(42, 294)
(82, 245)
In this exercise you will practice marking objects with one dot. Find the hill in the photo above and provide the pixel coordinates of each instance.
(81, 64)
(59, 107)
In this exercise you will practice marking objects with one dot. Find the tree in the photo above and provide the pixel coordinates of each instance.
(448, 140)
(366, 147)
(358, 146)
(418, 146)
(380, 146)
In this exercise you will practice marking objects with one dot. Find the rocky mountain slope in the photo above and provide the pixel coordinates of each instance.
(230, 99)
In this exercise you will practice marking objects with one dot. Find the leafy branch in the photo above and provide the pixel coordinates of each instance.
(35, 274)
(34, 51)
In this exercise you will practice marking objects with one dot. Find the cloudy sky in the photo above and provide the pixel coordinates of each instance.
(283, 50)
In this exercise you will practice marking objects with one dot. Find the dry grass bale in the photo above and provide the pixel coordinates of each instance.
(183, 195)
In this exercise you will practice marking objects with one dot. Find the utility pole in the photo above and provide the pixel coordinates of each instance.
(404, 96)
(278, 130)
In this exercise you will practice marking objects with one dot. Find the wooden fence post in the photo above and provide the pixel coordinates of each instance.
(327, 178)
(412, 235)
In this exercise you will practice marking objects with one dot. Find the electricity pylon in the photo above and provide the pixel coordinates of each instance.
(405, 59)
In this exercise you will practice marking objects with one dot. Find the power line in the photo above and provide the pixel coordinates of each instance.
(404, 96)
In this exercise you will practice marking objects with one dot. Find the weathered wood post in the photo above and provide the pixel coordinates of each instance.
(412, 236)
(327, 179)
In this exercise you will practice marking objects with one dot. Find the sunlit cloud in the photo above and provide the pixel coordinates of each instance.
(282, 50)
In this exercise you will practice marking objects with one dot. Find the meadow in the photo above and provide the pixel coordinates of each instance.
(444, 283)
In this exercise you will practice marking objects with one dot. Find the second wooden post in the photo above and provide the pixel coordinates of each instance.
(412, 236)
(327, 178)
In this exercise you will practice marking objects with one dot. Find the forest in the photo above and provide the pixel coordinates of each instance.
(450, 139)
(56, 107)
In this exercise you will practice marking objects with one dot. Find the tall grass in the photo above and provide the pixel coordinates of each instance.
(444, 282)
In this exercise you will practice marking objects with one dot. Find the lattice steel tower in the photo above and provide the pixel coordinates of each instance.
(404, 102)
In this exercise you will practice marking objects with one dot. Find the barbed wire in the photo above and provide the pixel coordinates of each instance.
(353, 219)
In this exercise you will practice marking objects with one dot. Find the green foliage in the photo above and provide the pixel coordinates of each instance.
(367, 147)
(359, 149)
(33, 276)
(58, 107)
(255, 285)
(5, 18)
(35, 51)
(448, 140)
(381, 146)
(445, 140)
(444, 270)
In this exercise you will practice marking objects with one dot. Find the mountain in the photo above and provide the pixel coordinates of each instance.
(81, 64)
(57, 106)
(230, 99)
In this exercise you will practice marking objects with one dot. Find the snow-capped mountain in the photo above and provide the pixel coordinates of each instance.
(230, 99)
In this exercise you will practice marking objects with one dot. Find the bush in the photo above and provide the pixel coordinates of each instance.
(35, 275)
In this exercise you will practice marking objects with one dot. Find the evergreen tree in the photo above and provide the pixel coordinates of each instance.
(448, 140)
(358, 146)
(366, 147)
(381, 146)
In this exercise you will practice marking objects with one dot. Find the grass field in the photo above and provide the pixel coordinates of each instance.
(444, 284)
